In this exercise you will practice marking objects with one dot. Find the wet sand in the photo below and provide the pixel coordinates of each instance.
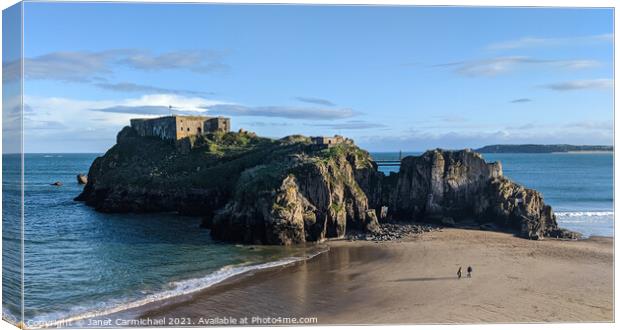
(414, 281)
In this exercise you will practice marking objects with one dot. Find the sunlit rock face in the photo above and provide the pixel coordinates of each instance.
(460, 188)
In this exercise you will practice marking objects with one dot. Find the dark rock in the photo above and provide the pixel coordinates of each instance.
(447, 221)
(461, 185)
(317, 198)
(564, 233)
(489, 226)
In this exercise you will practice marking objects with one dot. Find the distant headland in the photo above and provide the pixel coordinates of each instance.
(542, 148)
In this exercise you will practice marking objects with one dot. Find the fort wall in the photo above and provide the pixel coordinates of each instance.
(180, 127)
(163, 127)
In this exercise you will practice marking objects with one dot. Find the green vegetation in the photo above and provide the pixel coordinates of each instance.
(337, 208)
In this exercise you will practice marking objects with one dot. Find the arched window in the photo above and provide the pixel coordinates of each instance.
(199, 130)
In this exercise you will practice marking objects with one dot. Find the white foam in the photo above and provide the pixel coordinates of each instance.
(179, 288)
(584, 214)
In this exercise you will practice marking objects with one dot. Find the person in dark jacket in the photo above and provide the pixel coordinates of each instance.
(458, 273)
(469, 270)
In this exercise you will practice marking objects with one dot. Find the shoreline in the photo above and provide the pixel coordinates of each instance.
(572, 281)
(261, 272)
(132, 309)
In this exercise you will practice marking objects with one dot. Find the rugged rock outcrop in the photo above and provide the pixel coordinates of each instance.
(247, 188)
(256, 190)
(315, 196)
(459, 187)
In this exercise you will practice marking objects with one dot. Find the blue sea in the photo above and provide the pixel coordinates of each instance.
(80, 263)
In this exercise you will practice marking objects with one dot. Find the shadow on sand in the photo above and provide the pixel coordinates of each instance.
(424, 279)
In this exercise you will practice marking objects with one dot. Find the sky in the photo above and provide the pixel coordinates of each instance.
(391, 78)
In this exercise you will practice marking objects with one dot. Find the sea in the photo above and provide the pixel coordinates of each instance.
(80, 264)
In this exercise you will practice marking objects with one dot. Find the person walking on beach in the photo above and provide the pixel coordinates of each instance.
(458, 273)
(469, 270)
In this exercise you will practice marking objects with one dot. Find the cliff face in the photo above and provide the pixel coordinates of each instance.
(255, 190)
(454, 187)
(314, 196)
(142, 174)
(441, 184)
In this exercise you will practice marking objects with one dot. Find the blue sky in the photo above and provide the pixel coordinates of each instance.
(391, 78)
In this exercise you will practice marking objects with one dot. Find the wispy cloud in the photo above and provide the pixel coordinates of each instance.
(98, 119)
(523, 100)
(499, 65)
(351, 124)
(43, 124)
(420, 140)
(144, 110)
(201, 61)
(592, 125)
(157, 104)
(86, 66)
(265, 124)
(452, 118)
(139, 88)
(282, 112)
(528, 42)
(580, 84)
(523, 127)
(314, 100)
(64, 66)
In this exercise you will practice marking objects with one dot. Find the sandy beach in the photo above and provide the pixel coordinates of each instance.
(414, 281)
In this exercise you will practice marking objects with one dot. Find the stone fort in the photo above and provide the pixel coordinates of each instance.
(176, 127)
(329, 141)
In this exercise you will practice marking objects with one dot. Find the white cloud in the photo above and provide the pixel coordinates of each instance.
(528, 42)
(87, 66)
(423, 140)
(282, 111)
(351, 124)
(592, 125)
(103, 118)
(133, 87)
(182, 103)
(202, 61)
(77, 114)
(500, 65)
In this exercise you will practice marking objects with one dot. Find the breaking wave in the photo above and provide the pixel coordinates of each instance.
(584, 214)
(178, 288)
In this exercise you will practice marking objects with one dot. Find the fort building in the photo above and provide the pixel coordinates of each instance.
(328, 141)
(176, 127)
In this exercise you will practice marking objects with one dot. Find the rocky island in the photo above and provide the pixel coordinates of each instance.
(299, 189)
